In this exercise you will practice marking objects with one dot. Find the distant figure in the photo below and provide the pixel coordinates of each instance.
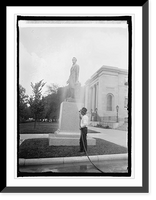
(73, 78)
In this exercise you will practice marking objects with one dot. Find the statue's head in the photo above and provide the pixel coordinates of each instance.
(74, 60)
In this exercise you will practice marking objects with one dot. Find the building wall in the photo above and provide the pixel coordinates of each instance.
(123, 93)
(107, 81)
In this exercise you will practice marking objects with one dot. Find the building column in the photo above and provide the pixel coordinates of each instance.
(97, 92)
(93, 99)
(86, 97)
(90, 98)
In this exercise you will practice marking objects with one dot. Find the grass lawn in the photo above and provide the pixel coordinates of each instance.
(41, 127)
(39, 148)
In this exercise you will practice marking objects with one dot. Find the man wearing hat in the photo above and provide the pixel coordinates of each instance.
(84, 129)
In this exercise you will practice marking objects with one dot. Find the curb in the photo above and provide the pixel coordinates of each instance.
(71, 160)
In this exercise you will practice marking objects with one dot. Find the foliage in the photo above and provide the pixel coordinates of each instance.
(56, 95)
(42, 107)
(23, 107)
(35, 101)
(52, 88)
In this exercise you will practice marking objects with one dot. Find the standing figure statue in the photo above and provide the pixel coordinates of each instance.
(73, 79)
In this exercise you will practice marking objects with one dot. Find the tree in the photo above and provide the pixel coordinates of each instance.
(23, 100)
(52, 88)
(50, 106)
(35, 101)
(50, 102)
(55, 96)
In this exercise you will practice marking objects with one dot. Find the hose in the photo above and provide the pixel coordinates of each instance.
(89, 158)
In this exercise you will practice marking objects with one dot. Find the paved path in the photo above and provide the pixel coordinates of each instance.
(116, 136)
(111, 135)
(110, 166)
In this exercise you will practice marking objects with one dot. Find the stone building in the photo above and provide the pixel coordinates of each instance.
(106, 96)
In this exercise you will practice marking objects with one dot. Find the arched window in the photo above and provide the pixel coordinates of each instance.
(109, 102)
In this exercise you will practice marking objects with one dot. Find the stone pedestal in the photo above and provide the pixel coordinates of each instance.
(69, 132)
(68, 140)
(69, 118)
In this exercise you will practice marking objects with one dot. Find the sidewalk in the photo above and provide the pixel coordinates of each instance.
(114, 136)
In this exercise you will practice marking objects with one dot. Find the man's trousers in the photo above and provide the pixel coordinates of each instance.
(83, 139)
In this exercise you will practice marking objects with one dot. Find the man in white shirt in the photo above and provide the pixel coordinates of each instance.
(84, 129)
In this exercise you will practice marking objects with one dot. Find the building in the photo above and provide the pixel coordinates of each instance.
(106, 96)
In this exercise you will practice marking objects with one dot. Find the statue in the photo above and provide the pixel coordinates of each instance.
(73, 79)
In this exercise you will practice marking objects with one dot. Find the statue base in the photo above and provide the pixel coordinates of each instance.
(68, 140)
(68, 133)
(69, 117)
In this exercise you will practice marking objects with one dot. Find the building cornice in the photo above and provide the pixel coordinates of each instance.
(112, 69)
(105, 69)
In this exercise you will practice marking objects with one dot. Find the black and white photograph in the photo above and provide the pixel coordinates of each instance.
(74, 96)
(77, 99)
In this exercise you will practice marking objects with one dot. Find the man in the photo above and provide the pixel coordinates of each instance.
(84, 129)
(73, 78)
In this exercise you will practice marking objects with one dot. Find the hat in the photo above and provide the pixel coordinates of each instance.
(83, 110)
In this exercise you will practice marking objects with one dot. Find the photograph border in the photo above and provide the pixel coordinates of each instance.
(123, 18)
(145, 135)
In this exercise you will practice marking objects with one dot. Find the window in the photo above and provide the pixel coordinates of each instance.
(109, 102)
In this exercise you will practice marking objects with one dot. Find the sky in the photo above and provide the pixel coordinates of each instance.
(46, 52)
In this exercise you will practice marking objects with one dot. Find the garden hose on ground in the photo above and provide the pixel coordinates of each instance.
(89, 158)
